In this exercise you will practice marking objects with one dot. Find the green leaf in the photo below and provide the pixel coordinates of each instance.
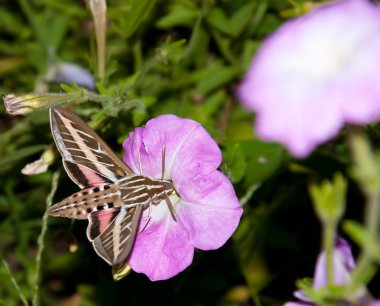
(224, 44)
(214, 102)
(179, 17)
(235, 162)
(56, 29)
(241, 18)
(139, 116)
(170, 52)
(268, 24)
(214, 77)
(12, 157)
(249, 49)
(139, 9)
(218, 19)
(198, 47)
(263, 160)
(356, 232)
(233, 26)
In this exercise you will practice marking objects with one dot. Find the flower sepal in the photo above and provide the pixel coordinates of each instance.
(330, 294)
(120, 271)
(329, 199)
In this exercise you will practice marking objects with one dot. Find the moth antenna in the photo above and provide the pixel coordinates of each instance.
(171, 207)
(138, 153)
(163, 162)
(148, 219)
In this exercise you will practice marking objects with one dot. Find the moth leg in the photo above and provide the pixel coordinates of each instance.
(171, 207)
(138, 153)
(147, 219)
(163, 162)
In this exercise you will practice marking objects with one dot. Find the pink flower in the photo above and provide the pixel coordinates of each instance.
(316, 73)
(207, 209)
(344, 264)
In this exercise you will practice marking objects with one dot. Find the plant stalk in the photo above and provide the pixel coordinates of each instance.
(41, 241)
(367, 175)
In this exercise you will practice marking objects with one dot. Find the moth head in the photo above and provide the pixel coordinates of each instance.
(169, 187)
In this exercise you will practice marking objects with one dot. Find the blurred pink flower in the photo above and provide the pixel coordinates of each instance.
(316, 73)
(343, 263)
(207, 209)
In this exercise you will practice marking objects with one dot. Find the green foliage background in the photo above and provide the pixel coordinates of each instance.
(183, 57)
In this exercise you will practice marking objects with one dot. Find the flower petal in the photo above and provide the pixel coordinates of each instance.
(132, 147)
(189, 149)
(162, 249)
(209, 210)
(302, 296)
(307, 80)
(343, 264)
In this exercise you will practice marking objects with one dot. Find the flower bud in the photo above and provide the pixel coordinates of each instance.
(40, 165)
(24, 104)
(329, 199)
(120, 271)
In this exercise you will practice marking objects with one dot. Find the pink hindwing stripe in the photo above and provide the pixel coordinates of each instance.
(84, 176)
(99, 221)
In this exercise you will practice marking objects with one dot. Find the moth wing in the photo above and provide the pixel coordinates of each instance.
(87, 158)
(84, 176)
(115, 242)
(98, 221)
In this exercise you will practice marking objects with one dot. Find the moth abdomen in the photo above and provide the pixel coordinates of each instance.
(81, 204)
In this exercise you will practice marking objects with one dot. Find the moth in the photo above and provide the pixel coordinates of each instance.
(113, 197)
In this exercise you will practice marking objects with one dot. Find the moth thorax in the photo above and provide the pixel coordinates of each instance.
(169, 187)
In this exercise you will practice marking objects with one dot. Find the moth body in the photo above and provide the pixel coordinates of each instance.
(130, 191)
(142, 190)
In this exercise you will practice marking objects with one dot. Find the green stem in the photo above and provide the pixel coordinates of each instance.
(256, 299)
(329, 230)
(30, 15)
(196, 30)
(15, 284)
(41, 240)
(98, 98)
(368, 176)
(138, 59)
(253, 292)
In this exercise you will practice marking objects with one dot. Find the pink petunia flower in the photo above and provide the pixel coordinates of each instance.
(315, 74)
(207, 209)
(344, 264)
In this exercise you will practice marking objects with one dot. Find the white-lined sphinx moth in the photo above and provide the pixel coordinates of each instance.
(113, 196)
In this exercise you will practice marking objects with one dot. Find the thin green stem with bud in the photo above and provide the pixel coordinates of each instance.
(41, 240)
(15, 284)
(329, 236)
(329, 200)
(367, 174)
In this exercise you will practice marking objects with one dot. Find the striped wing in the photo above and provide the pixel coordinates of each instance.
(113, 232)
(86, 157)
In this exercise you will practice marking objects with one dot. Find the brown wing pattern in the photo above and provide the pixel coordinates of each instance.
(83, 151)
(115, 242)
